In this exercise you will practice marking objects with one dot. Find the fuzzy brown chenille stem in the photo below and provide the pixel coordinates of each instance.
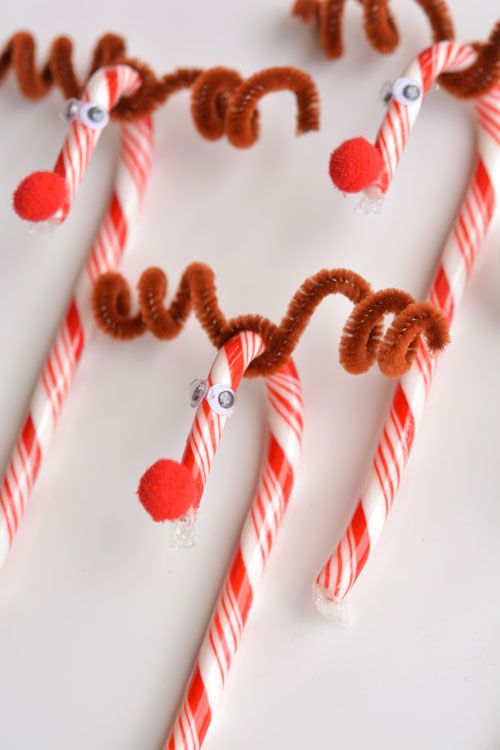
(363, 341)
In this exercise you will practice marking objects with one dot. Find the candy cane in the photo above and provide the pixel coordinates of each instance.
(257, 536)
(353, 551)
(105, 88)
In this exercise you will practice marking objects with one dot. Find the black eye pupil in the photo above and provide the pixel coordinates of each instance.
(96, 114)
(411, 92)
(226, 399)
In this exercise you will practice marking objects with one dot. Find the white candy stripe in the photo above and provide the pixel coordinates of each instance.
(256, 539)
(353, 551)
(105, 87)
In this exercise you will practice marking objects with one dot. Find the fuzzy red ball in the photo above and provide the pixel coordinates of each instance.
(167, 490)
(355, 165)
(39, 196)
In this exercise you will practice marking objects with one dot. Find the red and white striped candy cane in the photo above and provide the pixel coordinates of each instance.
(171, 490)
(460, 250)
(35, 196)
(285, 424)
(106, 86)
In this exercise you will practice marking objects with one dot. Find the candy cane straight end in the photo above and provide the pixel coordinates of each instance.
(338, 612)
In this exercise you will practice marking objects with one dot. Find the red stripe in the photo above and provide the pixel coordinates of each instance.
(441, 289)
(485, 186)
(75, 329)
(119, 222)
(280, 466)
(112, 79)
(361, 538)
(405, 417)
(240, 585)
(198, 703)
(31, 446)
(425, 60)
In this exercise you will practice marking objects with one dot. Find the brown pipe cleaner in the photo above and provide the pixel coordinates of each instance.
(222, 101)
(380, 27)
(383, 35)
(362, 342)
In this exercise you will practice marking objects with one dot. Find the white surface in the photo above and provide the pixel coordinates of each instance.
(99, 621)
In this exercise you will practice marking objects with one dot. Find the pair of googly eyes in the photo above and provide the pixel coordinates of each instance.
(90, 114)
(406, 91)
(221, 398)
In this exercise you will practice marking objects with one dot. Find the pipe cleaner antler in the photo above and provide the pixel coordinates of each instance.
(380, 27)
(223, 102)
(382, 33)
(361, 344)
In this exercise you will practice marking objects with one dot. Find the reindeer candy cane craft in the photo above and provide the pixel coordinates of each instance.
(170, 490)
(223, 103)
(50, 196)
(354, 167)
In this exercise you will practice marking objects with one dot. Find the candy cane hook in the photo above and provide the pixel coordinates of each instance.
(356, 165)
(106, 87)
(285, 423)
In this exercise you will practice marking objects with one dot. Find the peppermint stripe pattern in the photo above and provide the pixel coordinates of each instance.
(464, 241)
(259, 531)
(105, 87)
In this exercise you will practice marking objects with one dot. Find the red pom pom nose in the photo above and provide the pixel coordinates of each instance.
(39, 196)
(355, 165)
(167, 490)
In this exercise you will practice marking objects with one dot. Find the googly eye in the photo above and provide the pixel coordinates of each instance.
(221, 399)
(93, 115)
(197, 392)
(386, 92)
(406, 91)
(70, 109)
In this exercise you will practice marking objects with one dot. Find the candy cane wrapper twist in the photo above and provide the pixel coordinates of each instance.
(460, 250)
(107, 86)
(285, 424)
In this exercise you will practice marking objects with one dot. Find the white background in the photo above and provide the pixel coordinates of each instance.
(99, 621)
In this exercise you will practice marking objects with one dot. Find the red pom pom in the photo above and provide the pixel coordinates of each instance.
(167, 490)
(355, 165)
(39, 196)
